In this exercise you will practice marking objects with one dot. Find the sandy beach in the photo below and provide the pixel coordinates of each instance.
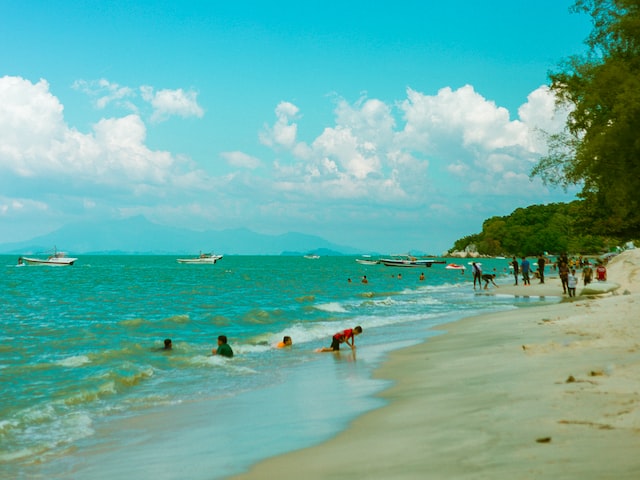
(539, 392)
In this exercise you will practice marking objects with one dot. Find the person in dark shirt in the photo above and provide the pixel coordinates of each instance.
(224, 349)
(516, 269)
(541, 263)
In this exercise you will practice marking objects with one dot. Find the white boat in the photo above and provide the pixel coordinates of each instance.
(312, 256)
(367, 260)
(363, 261)
(56, 259)
(202, 259)
(408, 261)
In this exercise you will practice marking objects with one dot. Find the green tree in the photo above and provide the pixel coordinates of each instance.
(600, 148)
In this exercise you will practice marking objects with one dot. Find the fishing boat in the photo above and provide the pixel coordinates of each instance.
(408, 261)
(56, 259)
(367, 260)
(202, 259)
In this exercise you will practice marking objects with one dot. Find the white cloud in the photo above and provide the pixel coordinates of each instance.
(412, 162)
(242, 160)
(283, 133)
(455, 140)
(166, 103)
(106, 92)
(36, 142)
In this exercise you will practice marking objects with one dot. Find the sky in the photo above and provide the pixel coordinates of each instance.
(386, 126)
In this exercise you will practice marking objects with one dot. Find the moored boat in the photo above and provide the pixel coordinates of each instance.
(202, 259)
(56, 259)
(408, 261)
(367, 261)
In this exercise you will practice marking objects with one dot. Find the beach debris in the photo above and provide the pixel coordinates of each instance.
(524, 347)
(543, 440)
(626, 292)
(599, 426)
(571, 379)
(596, 373)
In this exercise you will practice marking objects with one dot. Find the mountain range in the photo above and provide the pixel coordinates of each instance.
(137, 235)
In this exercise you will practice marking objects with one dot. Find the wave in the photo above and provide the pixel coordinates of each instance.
(74, 361)
(331, 307)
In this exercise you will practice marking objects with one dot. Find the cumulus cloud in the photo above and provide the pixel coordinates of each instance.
(283, 132)
(166, 103)
(35, 141)
(407, 151)
(405, 161)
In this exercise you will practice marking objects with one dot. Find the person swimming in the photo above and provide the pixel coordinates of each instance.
(286, 342)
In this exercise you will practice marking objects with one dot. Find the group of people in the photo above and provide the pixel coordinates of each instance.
(524, 268)
(566, 272)
(344, 336)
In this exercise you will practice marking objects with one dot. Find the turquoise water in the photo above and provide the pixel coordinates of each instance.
(87, 390)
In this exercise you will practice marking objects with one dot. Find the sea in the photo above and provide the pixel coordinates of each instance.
(87, 391)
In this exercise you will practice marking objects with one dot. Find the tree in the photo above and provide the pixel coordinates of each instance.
(600, 147)
(554, 228)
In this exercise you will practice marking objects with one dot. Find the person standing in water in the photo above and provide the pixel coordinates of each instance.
(477, 274)
(224, 349)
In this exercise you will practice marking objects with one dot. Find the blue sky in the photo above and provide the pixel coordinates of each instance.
(389, 126)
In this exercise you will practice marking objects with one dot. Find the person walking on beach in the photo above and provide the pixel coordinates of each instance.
(516, 269)
(525, 271)
(347, 336)
(587, 274)
(224, 349)
(541, 263)
(572, 281)
(601, 273)
(563, 271)
(477, 274)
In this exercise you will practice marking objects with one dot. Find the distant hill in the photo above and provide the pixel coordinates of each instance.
(137, 235)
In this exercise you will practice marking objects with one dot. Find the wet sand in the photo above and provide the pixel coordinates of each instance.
(539, 392)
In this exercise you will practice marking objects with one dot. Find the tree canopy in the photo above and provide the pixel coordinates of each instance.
(553, 228)
(600, 147)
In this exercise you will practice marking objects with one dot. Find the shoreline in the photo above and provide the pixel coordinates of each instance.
(551, 390)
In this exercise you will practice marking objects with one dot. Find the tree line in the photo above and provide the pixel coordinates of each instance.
(554, 228)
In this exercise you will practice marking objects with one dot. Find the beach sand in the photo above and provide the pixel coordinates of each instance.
(539, 392)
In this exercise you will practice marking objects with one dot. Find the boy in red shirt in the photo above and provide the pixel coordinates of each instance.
(343, 337)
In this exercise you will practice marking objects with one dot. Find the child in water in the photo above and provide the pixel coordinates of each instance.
(343, 337)
(286, 342)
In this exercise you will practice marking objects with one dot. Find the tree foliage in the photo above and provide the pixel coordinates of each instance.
(553, 228)
(600, 147)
